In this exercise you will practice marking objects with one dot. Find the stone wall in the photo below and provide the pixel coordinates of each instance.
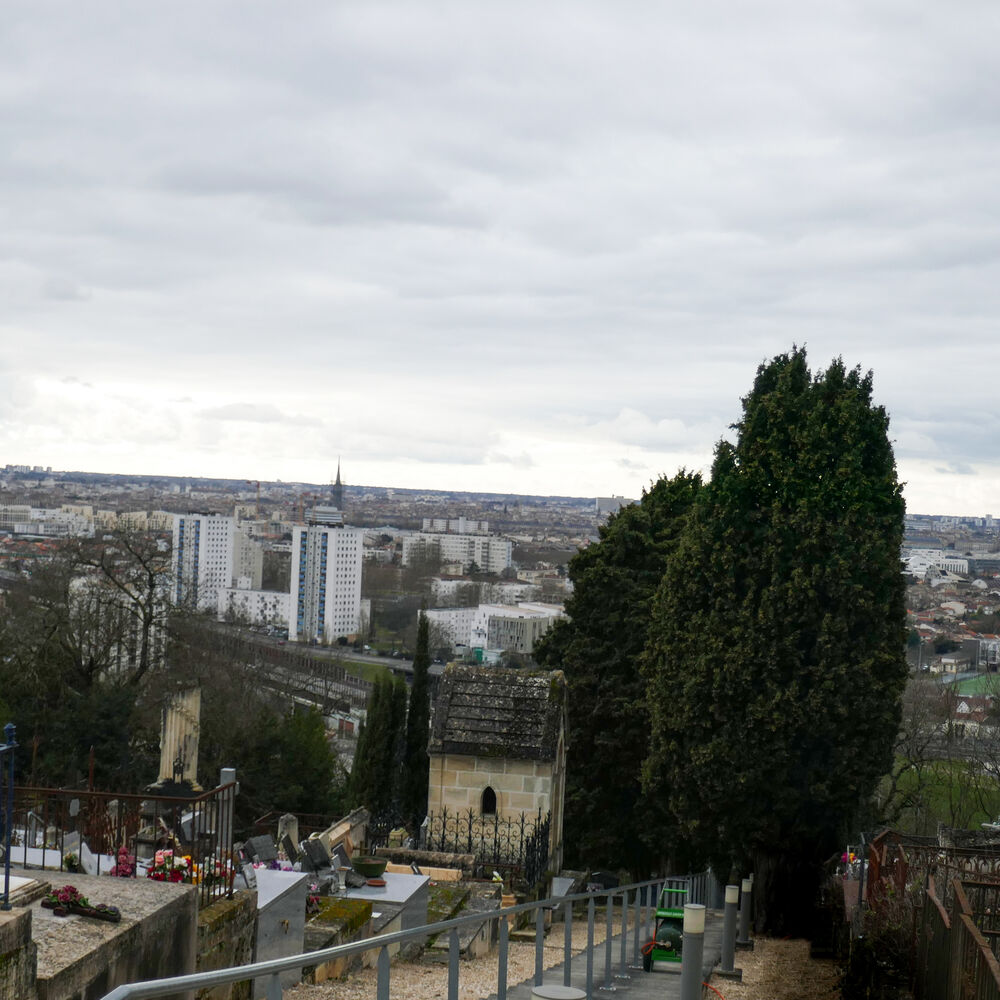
(225, 938)
(456, 782)
(83, 959)
(17, 956)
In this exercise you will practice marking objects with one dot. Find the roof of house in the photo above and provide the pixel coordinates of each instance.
(496, 712)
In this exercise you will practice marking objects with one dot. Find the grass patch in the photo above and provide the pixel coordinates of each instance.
(367, 671)
(958, 793)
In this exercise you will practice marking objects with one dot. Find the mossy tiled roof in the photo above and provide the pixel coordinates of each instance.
(496, 712)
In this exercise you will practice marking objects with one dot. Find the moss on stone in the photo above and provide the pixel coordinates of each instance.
(353, 914)
(444, 900)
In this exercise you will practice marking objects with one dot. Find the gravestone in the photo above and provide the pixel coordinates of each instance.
(261, 849)
(288, 846)
(179, 729)
(316, 855)
(288, 826)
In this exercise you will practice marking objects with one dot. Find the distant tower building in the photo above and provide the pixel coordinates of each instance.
(338, 490)
(209, 552)
(326, 582)
(202, 558)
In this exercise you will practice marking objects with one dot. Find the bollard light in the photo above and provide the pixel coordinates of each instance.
(692, 951)
(732, 894)
(694, 918)
(747, 885)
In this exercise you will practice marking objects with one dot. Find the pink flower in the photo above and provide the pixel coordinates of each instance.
(158, 858)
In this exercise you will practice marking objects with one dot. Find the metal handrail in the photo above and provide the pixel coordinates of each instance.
(274, 967)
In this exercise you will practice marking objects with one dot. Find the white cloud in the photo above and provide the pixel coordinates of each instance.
(539, 246)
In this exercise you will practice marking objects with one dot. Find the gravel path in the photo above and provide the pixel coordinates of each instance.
(477, 978)
(781, 970)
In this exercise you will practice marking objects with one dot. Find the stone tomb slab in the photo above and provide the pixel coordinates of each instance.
(81, 956)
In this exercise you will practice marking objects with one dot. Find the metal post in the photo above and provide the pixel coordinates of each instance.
(501, 960)
(637, 920)
(590, 947)
(567, 940)
(693, 951)
(453, 964)
(539, 932)
(746, 899)
(274, 987)
(622, 970)
(382, 989)
(609, 906)
(729, 935)
(861, 875)
(10, 743)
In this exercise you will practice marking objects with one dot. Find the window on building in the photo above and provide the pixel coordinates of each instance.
(489, 803)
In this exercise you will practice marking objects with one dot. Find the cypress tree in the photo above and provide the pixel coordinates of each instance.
(416, 763)
(599, 647)
(776, 653)
(373, 776)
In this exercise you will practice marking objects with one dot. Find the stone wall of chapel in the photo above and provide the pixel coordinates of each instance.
(457, 783)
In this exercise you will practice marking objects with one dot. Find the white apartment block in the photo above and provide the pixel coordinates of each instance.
(203, 559)
(456, 525)
(515, 627)
(326, 582)
(452, 625)
(491, 553)
(255, 607)
(248, 560)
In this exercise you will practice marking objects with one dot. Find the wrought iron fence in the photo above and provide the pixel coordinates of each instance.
(515, 845)
(104, 833)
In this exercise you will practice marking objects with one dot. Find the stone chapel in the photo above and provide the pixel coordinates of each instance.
(498, 746)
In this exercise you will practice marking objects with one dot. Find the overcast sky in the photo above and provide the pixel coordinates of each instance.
(522, 247)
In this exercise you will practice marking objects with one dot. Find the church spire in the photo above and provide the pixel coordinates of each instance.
(338, 489)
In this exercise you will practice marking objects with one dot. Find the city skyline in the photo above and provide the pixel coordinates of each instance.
(491, 247)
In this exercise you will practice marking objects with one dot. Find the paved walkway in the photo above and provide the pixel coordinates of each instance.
(663, 983)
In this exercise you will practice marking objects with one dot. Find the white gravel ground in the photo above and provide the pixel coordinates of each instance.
(477, 977)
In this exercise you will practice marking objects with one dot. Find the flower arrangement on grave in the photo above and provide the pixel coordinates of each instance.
(71, 862)
(62, 902)
(170, 867)
(212, 870)
(124, 866)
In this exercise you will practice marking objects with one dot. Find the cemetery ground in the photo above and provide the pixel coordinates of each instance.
(775, 970)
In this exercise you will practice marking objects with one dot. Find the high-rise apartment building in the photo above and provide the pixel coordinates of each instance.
(203, 559)
(326, 582)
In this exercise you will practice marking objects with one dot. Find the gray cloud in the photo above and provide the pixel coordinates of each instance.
(258, 413)
(437, 236)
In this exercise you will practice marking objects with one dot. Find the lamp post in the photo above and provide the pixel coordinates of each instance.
(746, 893)
(726, 969)
(693, 951)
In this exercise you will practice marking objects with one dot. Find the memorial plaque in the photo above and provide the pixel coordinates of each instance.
(288, 846)
(316, 853)
(261, 848)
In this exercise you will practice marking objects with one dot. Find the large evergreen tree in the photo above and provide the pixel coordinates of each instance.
(599, 648)
(374, 779)
(416, 762)
(776, 652)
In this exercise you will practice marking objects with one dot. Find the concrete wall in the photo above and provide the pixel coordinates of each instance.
(225, 939)
(456, 782)
(17, 956)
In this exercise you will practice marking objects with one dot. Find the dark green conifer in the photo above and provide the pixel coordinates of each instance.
(776, 653)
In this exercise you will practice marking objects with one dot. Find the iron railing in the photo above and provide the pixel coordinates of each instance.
(109, 832)
(517, 847)
(631, 901)
(7, 748)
